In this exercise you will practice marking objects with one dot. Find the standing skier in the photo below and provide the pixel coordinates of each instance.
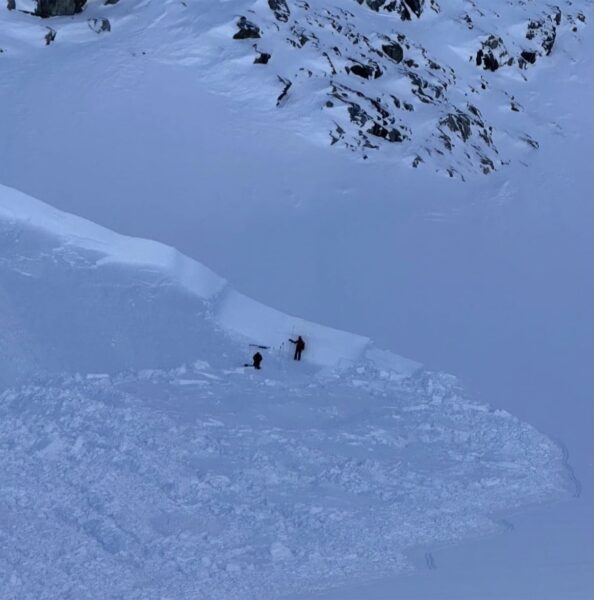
(257, 359)
(299, 347)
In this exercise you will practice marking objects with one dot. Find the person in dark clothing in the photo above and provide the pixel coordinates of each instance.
(257, 359)
(299, 347)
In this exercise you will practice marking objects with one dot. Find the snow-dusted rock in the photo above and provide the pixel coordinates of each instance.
(360, 75)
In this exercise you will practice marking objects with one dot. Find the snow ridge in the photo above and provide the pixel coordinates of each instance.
(231, 310)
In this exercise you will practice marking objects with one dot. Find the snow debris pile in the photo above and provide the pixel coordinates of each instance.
(124, 476)
(202, 483)
(427, 84)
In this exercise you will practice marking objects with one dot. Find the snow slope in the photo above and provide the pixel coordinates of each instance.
(425, 84)
(210, 480)
(490, 279)
(105, 250)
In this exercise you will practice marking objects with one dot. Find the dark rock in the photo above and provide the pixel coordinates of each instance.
(10, 4)
(247, 30)
(57, 8)
(286, 87)
(549, 41)
(493, 54)
(280, 9)
(262, 58)
(458, 123)
(394, 51)
(50, 36)
(544, 31)
(404, 8)
(390, 135)
(99, 25)
(357, 114)
(337, 135)
(110, 2)
(426, 92)
(490, 62)
(530, 141)
(416, 6)
(299, 38)
(514, 105)
(529, 56)
(371, 71)
(487, 165)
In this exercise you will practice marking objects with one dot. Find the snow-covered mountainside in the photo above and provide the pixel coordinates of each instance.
(273, 141)
(125, 477)
(447, 86)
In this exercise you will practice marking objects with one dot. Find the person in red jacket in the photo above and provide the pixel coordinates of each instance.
(299, 347)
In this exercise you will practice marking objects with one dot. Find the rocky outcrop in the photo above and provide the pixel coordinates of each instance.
(371, 70)
(280, 9)
(544, 31)
(246, 30)
(262, 58)
(371, 116)
(404, 8)
(394, 51)
(357, 71)
(56, 8)
(493, 54)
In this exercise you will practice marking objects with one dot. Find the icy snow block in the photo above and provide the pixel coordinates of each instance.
(325, 346)
(115, 248)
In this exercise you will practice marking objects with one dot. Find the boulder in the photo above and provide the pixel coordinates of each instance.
(57, 8)
(246, 30)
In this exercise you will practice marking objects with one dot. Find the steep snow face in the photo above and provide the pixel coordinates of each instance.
(212, 480)
(41, 301)
(413, 82)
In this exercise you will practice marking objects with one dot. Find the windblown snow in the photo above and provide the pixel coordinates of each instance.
(140, 459)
